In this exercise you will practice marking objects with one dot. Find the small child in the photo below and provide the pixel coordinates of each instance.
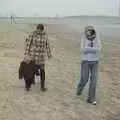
(27, 70)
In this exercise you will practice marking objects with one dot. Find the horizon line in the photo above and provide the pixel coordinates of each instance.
(67, 16)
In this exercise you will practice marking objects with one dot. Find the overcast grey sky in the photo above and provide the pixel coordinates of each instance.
(60, 7)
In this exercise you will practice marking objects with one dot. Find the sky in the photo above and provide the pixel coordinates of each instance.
(59, 7)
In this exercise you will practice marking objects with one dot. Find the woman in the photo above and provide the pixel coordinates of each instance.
(38, 48)
(90, 46)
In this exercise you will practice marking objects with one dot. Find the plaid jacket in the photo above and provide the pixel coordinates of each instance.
(39, 48)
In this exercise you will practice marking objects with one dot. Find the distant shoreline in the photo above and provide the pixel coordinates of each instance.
(66, 17)
(67, 20)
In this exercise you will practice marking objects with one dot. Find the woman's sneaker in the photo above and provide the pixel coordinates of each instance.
(91, 102)
(78, 93)
(94, 103)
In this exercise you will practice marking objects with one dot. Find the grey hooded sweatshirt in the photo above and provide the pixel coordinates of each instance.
(90, 53)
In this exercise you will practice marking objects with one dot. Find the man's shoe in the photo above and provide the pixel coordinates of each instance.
(43, 89)
(27, 89)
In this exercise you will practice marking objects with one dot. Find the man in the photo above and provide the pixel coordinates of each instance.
(38, 48)
(90, 46)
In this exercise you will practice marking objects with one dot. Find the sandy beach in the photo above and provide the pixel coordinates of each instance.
(62, 74)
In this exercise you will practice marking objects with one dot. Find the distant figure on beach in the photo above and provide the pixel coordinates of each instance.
(90, 47)
(38, 48)
(11, 19)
